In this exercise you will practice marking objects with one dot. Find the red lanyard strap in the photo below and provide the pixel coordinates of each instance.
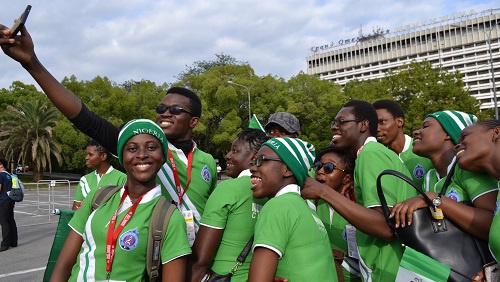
(177, 180)
(113, 234)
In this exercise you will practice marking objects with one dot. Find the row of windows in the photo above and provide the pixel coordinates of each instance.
(404, 43)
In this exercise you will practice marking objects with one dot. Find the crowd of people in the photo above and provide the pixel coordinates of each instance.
(287, 213)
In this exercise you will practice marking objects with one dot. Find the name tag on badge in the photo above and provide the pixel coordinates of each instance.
(188, 217)
(352, 246)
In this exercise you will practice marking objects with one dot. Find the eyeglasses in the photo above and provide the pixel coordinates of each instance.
(339, 123)
(262, 159)
(175, 110)
(328, 167)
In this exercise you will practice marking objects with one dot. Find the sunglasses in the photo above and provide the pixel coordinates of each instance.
(175, 110)
(262, 159)
(328, 167)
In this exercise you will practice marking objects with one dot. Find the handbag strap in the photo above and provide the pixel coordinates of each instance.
(448, 179)
(243, 255)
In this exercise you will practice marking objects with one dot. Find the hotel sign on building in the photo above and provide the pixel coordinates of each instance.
(458, 42)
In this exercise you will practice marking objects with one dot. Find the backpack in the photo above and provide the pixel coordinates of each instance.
(16, 193)
(157, 227)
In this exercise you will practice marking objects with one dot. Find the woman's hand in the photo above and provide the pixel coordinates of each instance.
(311, 190)
(403, 212)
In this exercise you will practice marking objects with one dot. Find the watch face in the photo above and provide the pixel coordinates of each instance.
(436, 201)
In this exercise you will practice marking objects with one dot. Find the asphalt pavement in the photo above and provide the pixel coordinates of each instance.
(36, 228)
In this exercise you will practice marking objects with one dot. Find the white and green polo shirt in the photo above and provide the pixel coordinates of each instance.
(93, 181)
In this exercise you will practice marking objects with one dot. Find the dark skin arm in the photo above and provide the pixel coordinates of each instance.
(206, 243)
(367, 220)
(67, 257)
(475, 220)
(175, 270)
(22, 50)
(263, 265)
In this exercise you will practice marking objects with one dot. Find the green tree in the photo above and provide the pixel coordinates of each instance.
(200, 67)
(26, 135)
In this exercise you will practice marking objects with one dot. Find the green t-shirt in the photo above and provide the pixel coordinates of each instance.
(335, 226)
(131, 245)
(89, 182)
(231, 207)
(465, 186)
(203, 180)
(417, 166)
(379, 259)
(494, 231)
(290, 228)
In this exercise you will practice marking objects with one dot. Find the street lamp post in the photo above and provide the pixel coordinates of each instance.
(492, 69)
(248, 91)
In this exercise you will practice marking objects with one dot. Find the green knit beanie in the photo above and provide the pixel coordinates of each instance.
(298, 155)
(453, 122)
(140, 126)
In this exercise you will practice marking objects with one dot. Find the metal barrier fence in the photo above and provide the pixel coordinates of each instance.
(52, 195)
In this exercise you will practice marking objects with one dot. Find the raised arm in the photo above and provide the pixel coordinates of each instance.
(22, 50)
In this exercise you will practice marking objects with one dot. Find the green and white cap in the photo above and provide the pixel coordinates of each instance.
(140, 126)
(298, 155)
(453, 122)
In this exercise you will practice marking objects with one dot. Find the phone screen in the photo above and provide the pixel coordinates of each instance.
(19, 23)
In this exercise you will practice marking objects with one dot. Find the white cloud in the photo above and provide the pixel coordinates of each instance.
(155, 40)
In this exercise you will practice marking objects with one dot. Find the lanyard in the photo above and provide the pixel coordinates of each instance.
(113, 234)
(181, 193)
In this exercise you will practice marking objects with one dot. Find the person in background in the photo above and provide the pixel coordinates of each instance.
(335, 168)
(391, 120)
(354, 129)
(282, 124)
(189, 175)
(290, 241)
(97, 251)
(469, 201)
(7, 221)
(478, 150)
(228, 221)
(219, 172)
(97, 158)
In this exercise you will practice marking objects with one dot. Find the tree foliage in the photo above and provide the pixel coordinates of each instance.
(26, 135)
(418, 87)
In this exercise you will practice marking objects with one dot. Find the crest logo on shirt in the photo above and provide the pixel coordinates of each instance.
(418, 171)
(205, 174)
(453, 194)
(129, 240)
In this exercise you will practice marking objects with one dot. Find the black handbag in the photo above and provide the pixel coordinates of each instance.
(211, 276)
(440, 239)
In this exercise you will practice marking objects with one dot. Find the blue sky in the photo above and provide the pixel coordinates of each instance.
(155, 40)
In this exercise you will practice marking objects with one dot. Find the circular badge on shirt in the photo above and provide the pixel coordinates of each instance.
(129, 240)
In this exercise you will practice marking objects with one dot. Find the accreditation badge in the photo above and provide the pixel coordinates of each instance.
(188, 217)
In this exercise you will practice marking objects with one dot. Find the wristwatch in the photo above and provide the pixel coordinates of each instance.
(437, 201)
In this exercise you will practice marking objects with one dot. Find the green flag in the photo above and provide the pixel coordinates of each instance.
(255, 124)
(415, 266)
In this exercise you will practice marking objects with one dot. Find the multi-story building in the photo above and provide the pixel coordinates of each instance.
(465, 42)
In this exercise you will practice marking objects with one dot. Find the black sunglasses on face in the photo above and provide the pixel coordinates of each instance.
(328, 167)
(262, 159)
(175, 110)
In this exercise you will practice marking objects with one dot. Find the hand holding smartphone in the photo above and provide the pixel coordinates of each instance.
(19, 23)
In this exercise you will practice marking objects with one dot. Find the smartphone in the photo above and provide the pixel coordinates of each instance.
(19, 23)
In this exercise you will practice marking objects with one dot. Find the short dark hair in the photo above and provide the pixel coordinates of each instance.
(489, 124)
(4, 163)
(254, 137)
(392, 107)
(100, 149)
(363, 110)
(345, 157)
(193, 98)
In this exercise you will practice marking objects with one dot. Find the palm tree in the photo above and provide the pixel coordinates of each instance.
(26, 135)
